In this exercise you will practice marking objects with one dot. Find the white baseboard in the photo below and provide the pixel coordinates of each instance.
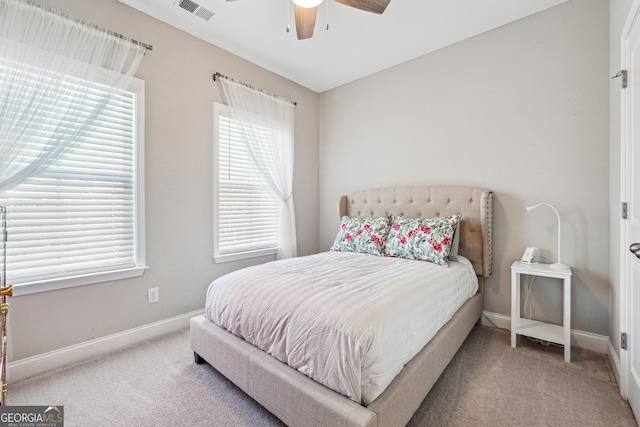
(25, 368)
(581, 339)
(614, 361)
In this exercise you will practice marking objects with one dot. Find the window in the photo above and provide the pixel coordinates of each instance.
(82, 220)
(245, 213)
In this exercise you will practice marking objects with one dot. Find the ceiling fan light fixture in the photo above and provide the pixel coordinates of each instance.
(307, 3)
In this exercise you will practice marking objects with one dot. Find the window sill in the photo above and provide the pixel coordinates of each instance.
(69, 282)
(237, 256)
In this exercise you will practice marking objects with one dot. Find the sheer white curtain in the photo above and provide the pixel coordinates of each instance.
(39, 49)
(272, 117)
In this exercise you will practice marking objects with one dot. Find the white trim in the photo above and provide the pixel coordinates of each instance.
(139, 162)
(496, 320)
(581, 339)
(614, 361)
(244, 255)
(25, 368)
(590, 341)
(80, 280)
(625, 146)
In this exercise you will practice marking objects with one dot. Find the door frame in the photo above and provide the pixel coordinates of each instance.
(633, 19)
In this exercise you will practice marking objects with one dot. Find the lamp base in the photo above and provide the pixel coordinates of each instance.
(558, 266)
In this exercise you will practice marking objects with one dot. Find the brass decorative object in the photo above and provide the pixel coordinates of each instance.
(5, 291)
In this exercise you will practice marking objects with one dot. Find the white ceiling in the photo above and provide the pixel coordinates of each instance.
(357, 43)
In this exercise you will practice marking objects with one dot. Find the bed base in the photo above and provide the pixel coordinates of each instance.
(300, 401)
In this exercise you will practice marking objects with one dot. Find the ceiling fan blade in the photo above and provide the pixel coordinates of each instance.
(374, 6)
(305, 21)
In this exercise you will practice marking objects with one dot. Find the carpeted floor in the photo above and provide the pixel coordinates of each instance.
(488, 383)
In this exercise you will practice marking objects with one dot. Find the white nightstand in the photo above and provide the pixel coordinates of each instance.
(533, 328)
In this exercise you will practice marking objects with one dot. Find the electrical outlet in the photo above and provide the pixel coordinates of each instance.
(153, 294)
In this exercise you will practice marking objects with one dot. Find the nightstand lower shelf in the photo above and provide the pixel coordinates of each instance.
(541, 330)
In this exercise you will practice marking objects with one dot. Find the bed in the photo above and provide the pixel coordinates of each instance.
(297, 399)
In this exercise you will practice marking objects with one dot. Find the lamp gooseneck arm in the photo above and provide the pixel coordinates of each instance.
(530, 208)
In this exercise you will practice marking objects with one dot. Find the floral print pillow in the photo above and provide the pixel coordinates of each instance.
(365, 235)
(425, 239)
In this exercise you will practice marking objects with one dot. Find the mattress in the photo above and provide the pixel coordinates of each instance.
(349, 321)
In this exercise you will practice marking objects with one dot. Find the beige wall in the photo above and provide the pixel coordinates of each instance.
(521, 110)
(179, 97)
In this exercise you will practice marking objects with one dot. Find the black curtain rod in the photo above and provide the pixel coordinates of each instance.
(222, 76)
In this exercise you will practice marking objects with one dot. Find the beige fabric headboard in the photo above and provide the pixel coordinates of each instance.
(474, 204)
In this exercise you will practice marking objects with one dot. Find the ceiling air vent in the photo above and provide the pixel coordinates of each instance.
(196, 9)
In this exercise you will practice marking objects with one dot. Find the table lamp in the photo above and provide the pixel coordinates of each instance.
(557, 265)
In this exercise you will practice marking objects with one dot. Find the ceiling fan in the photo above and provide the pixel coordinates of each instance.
(306, 11)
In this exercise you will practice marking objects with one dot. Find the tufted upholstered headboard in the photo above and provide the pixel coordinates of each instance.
(474, 204)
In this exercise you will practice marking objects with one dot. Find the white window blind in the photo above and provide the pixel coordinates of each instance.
(246, 214)
(81, 217)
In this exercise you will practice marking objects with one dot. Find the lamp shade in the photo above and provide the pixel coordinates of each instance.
(556, 265)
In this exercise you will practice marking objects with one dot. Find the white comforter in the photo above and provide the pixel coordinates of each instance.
(349, 321)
